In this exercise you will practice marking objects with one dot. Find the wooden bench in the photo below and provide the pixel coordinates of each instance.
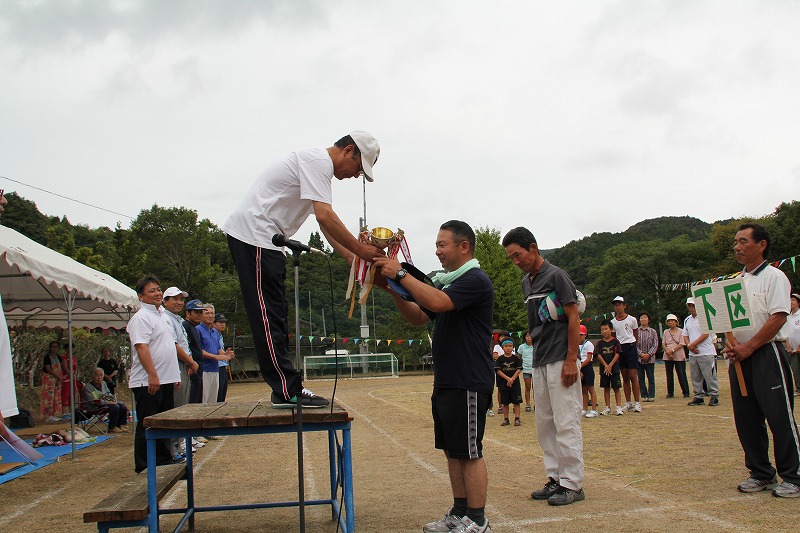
(127, 506)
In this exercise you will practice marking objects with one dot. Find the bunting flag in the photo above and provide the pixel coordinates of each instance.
(357, 340)
(688, 285)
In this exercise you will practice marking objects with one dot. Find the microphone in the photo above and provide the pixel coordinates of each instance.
(279, 239)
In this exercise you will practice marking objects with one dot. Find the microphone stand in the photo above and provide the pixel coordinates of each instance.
(298, 367)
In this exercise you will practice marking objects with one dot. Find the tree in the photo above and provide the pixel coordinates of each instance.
(638, 271)
(509, 310)
(172, 244)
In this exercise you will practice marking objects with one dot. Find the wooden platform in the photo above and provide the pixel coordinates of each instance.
(239, 414)
(129, 502)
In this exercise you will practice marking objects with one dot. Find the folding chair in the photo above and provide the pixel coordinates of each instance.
(91, 414)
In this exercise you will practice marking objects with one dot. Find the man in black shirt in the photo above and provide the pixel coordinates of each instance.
(463, 372)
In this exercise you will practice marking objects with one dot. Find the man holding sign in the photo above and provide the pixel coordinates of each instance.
(766, 374)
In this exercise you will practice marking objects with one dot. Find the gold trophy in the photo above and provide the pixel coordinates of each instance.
(363, 272)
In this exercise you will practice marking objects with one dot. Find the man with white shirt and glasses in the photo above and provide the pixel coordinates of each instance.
(765, 367)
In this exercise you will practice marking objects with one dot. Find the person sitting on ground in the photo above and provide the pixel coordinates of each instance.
(608, 351)
(508, 368)
(587, 374)
(96, 393)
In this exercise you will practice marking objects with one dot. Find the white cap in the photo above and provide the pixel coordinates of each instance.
(671, 317)
(369, 148)
(689, 301)
(174, 291)
(619, 299)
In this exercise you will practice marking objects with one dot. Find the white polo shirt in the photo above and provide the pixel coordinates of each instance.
(768, 291)
(280, 199)
(791, 330)
(691, 330)
(147, 326)
(623, 329)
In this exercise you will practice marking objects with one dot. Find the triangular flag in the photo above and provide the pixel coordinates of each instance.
(311, 338)
(410, 341)
(344, 339)
(399, 341)
(793, 265)
(355, 341)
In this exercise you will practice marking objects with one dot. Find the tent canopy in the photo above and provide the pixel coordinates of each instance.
(39, 285)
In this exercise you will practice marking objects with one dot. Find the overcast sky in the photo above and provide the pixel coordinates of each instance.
(566, 117)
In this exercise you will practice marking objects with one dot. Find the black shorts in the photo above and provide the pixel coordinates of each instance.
(612, 381)
(629, 358)
(512, 394)
(459, 419)
(587, 376)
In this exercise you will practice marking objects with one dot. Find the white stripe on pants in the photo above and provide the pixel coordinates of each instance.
(558, 425)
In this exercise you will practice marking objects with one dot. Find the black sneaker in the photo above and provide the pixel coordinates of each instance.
(306, 398)
(697, 401)
(713, 401)
(565, 496)
(545, 492)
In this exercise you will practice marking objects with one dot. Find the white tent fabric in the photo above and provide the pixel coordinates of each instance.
(8, 399)
(41, 282)
(35, 278)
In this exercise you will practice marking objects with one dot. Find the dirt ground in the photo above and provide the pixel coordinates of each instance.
(670, 468)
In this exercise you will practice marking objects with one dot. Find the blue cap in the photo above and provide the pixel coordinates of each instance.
(194, 305)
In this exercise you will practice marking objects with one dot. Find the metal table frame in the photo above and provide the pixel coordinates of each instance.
(341, 472)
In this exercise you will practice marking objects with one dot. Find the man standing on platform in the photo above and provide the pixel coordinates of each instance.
(463, 372)
(556, 384)
(765, 367)
(278, 203)
(154, 368)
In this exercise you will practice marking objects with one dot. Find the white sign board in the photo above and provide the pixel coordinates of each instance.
(722, 306)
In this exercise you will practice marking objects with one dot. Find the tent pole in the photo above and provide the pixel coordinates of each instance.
(70, 300)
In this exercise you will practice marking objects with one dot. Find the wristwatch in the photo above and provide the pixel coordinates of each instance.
(400, 274)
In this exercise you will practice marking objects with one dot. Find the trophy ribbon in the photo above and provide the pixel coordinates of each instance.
(363, 272)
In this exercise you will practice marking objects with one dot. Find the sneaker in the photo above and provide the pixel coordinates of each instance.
(490, 412)
(606, 411)
(201, 440)
(637, 407)
(591, 414)
(565, 496)
(468, 526)
(505, 422)
(517, 422)
(527, 408)
(786, 490)
(583, 412)
(752, 484)
(115, 430)
(545, 492)
(307, 399)
(713, 402)
(697, 401)
(628, 406)
(500, 410)
(685, 394)
(620, 412)
(669, 396)
(447, 523)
